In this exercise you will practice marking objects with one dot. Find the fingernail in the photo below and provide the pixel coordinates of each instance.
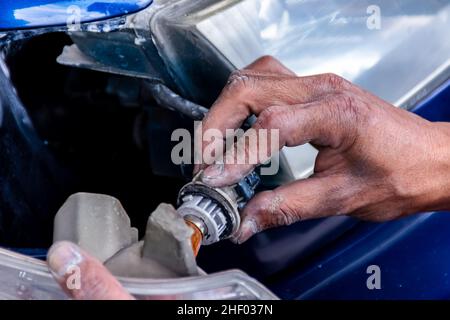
(213, 172)
(247, 230)
(62, 257)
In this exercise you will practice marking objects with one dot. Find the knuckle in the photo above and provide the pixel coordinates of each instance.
(235, 74)
(280, 211)
(271, 117)
(345, 116)
(270, 64)
(286, 216)
(267, 60)
(272, 210)
(334, 81)
(239, 81)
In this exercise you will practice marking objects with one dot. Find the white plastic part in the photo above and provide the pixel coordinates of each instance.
(26, 278)
(208, 212)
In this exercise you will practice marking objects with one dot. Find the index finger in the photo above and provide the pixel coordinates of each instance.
(329, 122)
(248, 93)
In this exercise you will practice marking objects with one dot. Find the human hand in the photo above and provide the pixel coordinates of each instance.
(375, 162)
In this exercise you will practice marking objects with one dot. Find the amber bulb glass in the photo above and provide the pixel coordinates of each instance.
(196, 238)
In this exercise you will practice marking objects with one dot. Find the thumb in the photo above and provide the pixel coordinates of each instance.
(81, 276)
(300, 200)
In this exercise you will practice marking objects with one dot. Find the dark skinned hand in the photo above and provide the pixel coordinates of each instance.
(375, 162)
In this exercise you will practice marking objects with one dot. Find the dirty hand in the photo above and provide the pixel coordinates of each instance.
(375, 162)
(81, 276)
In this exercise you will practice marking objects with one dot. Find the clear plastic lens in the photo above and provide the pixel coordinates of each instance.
(22, 277)
(390, 47)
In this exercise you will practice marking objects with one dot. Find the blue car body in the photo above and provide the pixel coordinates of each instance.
(44, 13)
(413, 253)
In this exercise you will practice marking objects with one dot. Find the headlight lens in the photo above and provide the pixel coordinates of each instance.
(389, 49)
(22, 277)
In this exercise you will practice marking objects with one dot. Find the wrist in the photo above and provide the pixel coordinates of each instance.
(429, 178)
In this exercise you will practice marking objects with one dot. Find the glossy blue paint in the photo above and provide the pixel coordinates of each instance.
(413, 253)
(43, 13)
